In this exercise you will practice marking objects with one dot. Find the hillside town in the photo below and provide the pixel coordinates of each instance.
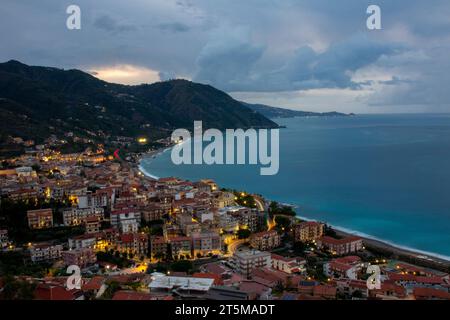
(138, 238)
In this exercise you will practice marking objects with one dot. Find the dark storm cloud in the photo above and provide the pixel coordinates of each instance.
(108, 23)
(173, 27)
(253, 45)
(306, 69)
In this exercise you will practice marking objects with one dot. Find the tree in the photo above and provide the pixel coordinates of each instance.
(17, 289)
(181, 266)
(299, 248)
(113, 286)
(282, 222)
(357, 294)
(243, 233)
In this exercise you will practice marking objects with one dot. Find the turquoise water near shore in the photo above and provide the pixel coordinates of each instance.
(382, 176)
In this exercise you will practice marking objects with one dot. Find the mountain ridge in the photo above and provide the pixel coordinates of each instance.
(37, 101)
(277, 112)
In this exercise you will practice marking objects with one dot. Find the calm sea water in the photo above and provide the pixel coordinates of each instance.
(386, 176)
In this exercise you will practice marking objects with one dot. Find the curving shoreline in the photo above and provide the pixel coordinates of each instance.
(421, 257)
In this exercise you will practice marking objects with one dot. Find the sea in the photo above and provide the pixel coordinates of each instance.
(385, 177)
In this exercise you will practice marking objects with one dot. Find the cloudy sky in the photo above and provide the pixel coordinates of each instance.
(302, 54)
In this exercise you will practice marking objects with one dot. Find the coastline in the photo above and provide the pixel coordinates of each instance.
(412, 255)
(151, 154)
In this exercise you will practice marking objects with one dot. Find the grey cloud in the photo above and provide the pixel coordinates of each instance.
(230, 66)
(285, 45)
(173, 27)
(227, 59)
(164, 75)
(110, 24)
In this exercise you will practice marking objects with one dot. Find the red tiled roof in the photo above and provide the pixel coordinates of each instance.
(215, 268)
(180, 238)
(334, 241)
(339, 266)
(124, 211)
(264, 233)
(94, 284)
(252, 287)
(51, 292)
(413, 278)
(430, 293)
(217, 279)
(132, 295)
(278, 257)
(348, 260)
(324, 291)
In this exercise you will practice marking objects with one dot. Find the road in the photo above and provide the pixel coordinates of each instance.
(260, 203)
(233, 246)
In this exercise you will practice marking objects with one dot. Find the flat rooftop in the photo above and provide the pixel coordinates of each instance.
(185, 283)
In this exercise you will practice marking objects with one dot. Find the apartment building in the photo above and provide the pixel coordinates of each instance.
(341, 246)
(44, 252)
(180, 246)
(308, 231)
(40, 219)
(4, 241)
(245, 261)
(135, 243)
(76, 216)
(206, 243)
(265, 240)
(79, 257)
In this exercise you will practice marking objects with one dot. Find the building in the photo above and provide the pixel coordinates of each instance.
(206, 243)
(49, 291)
(77, 216)
(79, 257)
(44, 252)
(341, 246)
(101, 198)
(180, 246)
(255, 290)
(308, 231)
(184, 287)
(128, 226)
(317, 291)
(430, 294)
(92, 225)
(345, 267)
(125, 217)
(265, 240)
(349, 288)
(40, 219)
(288, 265)
(226, 293)
(4, 242)
(223, 199)
(155, 211)
(245, 261)
(245, 217)
(83, 241)
(158, 247)
(191, 227)
(134, 243)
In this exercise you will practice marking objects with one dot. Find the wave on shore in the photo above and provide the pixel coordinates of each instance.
(426, 254)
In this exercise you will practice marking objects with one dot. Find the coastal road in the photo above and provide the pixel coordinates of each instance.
(233, 246)
(260, 203)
